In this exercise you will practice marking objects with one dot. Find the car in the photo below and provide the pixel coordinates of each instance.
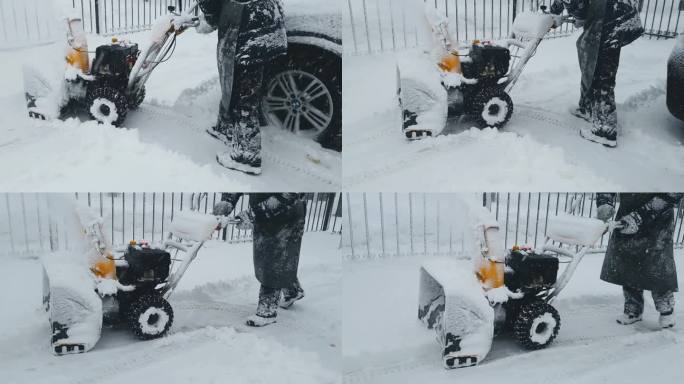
(675, 80)
(313, 106)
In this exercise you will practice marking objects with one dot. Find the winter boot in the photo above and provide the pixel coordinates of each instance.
(292, 294)
(667, 320)
(598, 134)
(240, 162)
(221, 132)
(581, 113)
(267, 310)
(259, 321)
(627, 319)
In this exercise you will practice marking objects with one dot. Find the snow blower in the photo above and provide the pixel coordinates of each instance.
(129, 286)
(472, 80)
(115, 81)
(509, 292)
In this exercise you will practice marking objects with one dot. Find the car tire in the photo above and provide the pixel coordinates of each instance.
(313, 68)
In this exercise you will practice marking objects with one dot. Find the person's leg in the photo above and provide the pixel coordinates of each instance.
(602, 99)
(634, 305)
(224, 122)
(245, 154)
(291, 294)
(664, 303)
(267, 309)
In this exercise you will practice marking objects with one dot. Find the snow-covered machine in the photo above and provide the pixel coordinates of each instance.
(114, 83)
(129, 286)
(508, 291)
(473, 80)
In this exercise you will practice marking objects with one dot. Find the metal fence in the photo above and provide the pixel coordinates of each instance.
(373, 26)
(107, 17)
(397, 224)
(29, 223)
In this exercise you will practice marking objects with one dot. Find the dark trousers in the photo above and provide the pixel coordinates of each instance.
(634, 301)
(239, 116)
(599, 99)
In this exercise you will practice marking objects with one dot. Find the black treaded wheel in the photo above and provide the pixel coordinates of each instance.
(536, 325)
(493, 107)
(150, 316)
(134, 101)
(107, 105)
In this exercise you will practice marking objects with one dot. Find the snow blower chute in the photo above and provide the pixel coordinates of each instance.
(115, 81)
(506, 292)
(472, 80)
(129, 286)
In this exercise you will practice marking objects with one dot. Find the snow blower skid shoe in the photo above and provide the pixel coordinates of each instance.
(452, 302)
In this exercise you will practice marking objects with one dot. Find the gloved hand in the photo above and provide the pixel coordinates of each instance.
(203, 26)
(605, 212)
(630, 223)
(222, 208)
(557, 21)
(246, 219)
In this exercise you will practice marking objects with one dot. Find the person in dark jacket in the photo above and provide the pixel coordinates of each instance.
(608, 26)
(278, 227)
(640, 254)
(251, 34)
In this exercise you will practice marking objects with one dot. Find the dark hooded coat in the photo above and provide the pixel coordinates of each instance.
(277, 234)
(644, 260)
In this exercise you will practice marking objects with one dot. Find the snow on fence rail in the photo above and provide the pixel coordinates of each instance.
(28, 224)
(397, 224)
(372, 26)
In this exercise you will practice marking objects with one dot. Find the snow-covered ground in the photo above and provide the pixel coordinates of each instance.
(539, 149)
(208, 341)
(383, 341)
(163, 147)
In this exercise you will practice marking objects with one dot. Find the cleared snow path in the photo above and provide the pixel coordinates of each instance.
(591, 346)
(208, 341)
(540, 148)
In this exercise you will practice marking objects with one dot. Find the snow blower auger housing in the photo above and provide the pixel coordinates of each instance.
(78, 302)
(511, 293)
(475, 79)
(115, 82)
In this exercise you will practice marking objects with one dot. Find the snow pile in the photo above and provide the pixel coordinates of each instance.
(532, 25)
(106, 156)
(575, 230)
(193, 226)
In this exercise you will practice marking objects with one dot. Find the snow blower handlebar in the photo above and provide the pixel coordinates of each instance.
(575, 258)
(194, 240)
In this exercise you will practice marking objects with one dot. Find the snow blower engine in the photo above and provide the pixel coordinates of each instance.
(510, 292)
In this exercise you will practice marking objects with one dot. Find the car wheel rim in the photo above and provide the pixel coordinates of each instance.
(297, 101)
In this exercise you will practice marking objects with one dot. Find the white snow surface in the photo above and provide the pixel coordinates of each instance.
(208, 341)
(590, 348)
(539, 149)
(163, 145)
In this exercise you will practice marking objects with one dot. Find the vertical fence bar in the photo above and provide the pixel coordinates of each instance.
(365, 19)
(424, 226)
(40, 229)
(23, 218)
(365, 220)
(411, 221)
(396, 221)
(382, 224)
(351, 226)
